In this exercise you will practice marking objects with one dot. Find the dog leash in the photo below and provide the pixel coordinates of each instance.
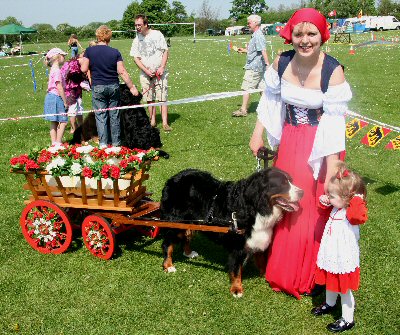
(153, 84)
(266, 155)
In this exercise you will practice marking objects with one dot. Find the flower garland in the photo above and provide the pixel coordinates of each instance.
(88, 161)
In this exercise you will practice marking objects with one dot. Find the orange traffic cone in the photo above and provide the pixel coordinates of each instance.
(352, 52)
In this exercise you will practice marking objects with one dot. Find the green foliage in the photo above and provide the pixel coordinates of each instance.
(10, 20)
(128, 18)
(66, 29)
(247, 7)
(389, 7)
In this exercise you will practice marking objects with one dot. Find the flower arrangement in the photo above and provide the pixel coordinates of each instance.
(88, 161)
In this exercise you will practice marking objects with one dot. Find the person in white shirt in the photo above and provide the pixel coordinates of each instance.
(150, 52)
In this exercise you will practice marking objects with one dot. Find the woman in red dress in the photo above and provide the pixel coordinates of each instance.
(303, 111)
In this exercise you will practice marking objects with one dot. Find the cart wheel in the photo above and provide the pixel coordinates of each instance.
(98, 236)
(46, 227)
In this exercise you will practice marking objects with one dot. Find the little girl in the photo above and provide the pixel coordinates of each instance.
(338, 262)
(74, 80)
(55, 102)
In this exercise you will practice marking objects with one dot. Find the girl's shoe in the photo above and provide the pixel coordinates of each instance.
(340, 325)
(323, 309)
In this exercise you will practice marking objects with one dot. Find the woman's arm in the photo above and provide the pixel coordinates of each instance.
(126, 78)
(256, 140)
(84, 64)
(331, 168)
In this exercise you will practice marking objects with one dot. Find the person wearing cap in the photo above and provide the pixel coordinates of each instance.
(105, 65)
(55, 103)
(303, 111)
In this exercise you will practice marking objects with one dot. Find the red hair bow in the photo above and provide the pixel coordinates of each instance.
(345, 173)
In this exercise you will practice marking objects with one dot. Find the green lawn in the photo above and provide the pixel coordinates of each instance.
(76, 293)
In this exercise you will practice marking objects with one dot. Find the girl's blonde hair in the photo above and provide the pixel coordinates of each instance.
(103, 34)
(50, 62)
(347, 183)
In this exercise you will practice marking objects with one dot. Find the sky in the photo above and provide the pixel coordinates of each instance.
(79, 13)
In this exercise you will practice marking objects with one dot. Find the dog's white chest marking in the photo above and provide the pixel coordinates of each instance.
(262, 230)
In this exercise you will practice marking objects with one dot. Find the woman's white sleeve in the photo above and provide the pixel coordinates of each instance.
(330, 136)
(270, 108)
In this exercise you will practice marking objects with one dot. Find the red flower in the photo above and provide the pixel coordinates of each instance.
(44, 157)
(115, 172)
(105, 170)
(124, 163)
(87, 172)
(31, 165)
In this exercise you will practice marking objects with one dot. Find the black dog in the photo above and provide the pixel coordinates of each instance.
(136, 131)
(255, 204)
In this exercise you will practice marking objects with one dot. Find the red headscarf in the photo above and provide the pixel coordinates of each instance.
(306, 15)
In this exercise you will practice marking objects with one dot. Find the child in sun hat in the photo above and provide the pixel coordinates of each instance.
(55, 103)
(338, 262)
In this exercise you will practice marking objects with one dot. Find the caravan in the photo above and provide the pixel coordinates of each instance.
(383, 23)
(365, 23)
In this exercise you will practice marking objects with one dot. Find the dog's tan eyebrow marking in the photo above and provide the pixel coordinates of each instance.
(280, 195)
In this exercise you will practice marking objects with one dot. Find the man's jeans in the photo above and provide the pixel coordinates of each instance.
(107, 122)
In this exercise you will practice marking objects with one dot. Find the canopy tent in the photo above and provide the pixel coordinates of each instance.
(16, 29)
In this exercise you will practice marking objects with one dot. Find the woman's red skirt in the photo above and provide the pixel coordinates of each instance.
(292, 255)
(338, 282)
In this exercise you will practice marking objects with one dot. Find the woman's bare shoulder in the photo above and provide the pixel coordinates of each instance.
(337, 76)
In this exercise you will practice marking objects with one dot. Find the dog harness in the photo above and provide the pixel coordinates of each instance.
(296, 115)
(210, 218)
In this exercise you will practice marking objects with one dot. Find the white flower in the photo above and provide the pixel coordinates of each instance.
(56, 148)
(84, 149)
(113, 161)
(114, 150)
(56, 162)
(76, 169)
(88, 159)
(140, 155)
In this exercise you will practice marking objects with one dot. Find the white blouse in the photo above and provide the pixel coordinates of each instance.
(330, 135)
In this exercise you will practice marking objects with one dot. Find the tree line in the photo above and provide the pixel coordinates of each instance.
(160, 11)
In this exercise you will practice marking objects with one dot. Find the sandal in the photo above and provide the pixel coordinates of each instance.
(240, 112)
(166, 127)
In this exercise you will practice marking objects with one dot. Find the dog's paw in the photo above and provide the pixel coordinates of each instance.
(237, 295)
(171, 269)
(193, 254)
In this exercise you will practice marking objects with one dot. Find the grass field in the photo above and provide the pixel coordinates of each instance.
(76, 293)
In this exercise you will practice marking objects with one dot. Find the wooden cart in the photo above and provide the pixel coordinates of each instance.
(46, 223)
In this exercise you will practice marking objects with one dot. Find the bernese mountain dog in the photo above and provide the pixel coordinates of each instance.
(136, 130)
(250, 207)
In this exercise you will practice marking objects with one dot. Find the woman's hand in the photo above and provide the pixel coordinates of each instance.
(134, 90)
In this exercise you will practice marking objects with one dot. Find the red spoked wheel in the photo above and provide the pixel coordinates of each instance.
(98, 236)
(46, 227)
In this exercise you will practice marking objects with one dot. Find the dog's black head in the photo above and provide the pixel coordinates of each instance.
(272, 187)
(126, 97)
